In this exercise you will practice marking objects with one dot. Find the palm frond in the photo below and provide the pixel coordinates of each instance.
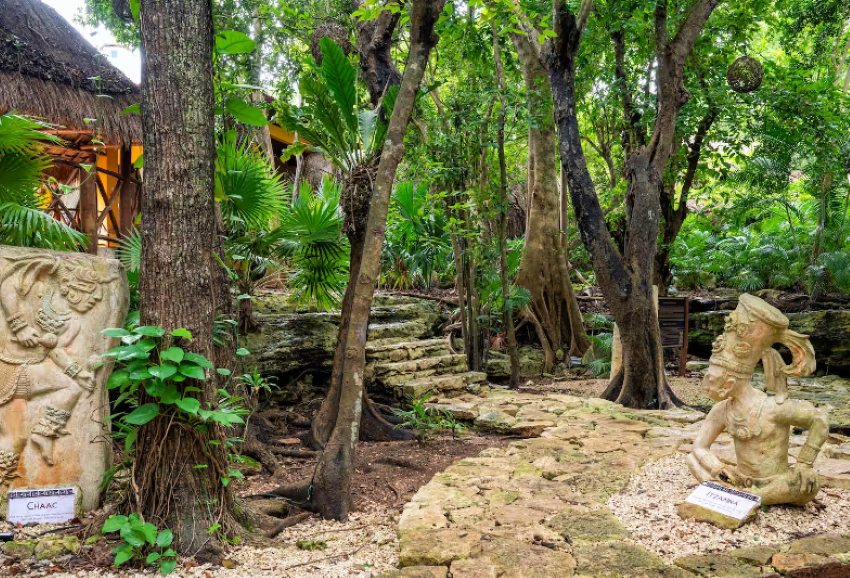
(250, 190)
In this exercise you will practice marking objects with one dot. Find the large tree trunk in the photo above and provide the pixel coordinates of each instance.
(178, 275)
(331, 484)
(625, 280)
(553, 302)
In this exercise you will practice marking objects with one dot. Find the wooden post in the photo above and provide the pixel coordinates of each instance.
(109, 183)
(88, 207)
(127, 205)
(683, 351)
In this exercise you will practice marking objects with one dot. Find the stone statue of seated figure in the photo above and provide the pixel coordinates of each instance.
(759, 423)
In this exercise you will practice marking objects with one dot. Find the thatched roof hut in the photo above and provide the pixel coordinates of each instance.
(49, 70)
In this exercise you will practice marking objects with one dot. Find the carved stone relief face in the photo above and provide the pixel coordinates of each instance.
(82, 288)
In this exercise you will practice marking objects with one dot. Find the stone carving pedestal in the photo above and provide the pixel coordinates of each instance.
(53, 397)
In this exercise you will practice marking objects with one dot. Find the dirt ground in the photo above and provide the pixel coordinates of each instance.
(385, 473)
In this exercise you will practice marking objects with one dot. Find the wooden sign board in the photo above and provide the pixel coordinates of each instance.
(673, 321)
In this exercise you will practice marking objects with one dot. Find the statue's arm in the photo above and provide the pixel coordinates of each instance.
(712, 427)
(10, 304)
(67, 364)
(803, 414)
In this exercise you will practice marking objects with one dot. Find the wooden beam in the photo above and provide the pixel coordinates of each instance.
(107, 206)
(62, 161)
(88, 209)
(111, 183)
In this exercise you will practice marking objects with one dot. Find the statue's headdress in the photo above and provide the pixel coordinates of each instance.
(751, 331)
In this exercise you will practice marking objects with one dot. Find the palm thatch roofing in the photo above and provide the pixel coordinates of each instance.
(49, 70)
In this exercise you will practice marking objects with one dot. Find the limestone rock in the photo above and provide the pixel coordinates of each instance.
(513, 558)
(825, 545)
(415, 517)
(710, 565)
(436, 547)
(475, 568)
(495, 421)
(53, 396)
(829, 332)
(20, 549)
(419, 572)
(290, 340)
(622, 560)
(54, 549)
(785, 562)
(464, 411)
(598, 526)
(531, 429)
(516, 516)
(755, 555)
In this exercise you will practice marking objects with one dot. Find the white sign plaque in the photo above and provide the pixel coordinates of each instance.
(48, 506)
(727, 501)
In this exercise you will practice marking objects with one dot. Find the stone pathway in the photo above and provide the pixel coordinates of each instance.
(536, 509)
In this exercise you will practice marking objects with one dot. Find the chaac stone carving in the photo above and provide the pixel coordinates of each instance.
(760, 424)
(53, 403)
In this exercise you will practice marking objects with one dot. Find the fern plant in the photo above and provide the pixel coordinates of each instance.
(328, 119)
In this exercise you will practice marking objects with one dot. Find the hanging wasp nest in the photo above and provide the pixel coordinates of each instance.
(335, 32)
(745, 74)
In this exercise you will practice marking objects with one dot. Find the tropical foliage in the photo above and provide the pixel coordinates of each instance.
(23, 221)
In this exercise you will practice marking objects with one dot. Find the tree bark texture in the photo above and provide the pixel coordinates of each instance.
(553, 300)
(625, 279)
(331, 483)
(178, 276)
(374, 41)
(504, 207)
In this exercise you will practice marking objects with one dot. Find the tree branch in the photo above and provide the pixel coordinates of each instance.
(583, 15)
(683, 43)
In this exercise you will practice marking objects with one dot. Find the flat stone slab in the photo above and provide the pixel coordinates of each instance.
(754, 555)
(710, 565)
(419, 572)
(596, 526)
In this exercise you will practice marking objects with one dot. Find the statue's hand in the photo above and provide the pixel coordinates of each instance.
(28, 336)
(730, 476)
(86, 379)
(808, 478)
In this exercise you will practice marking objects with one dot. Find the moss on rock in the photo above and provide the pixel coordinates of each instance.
(597, 526)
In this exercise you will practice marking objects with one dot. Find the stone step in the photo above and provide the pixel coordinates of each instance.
(416, 388)
(421, 364)
(405, 350)
(408, 330)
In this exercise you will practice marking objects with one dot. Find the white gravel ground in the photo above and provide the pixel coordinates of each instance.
(647, 508)
(370, 536)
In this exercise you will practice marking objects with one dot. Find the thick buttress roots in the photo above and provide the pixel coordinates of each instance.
(620, 390)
